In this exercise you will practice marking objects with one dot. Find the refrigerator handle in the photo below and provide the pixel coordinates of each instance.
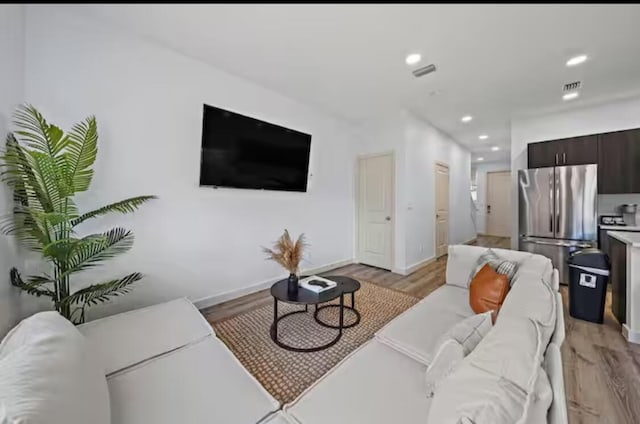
(558, 205)
(551, 205)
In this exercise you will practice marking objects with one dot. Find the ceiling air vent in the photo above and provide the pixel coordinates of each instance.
(424, 70)
(572, 86)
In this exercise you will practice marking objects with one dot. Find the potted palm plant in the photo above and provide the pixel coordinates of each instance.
(45, 168)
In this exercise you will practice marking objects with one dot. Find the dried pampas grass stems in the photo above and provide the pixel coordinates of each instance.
(287, 253)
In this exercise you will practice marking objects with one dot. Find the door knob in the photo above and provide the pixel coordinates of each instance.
(388, 218)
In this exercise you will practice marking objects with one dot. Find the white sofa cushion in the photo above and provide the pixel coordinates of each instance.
(49, 374)
(132, 337)
(474, 396)
(559, 331)
(537, 266)
(538, 400)
(511, 350)
(456, 343)
(375, 385)
(499, 382)
(553, 366)
(462, 259)
(530, 297)
(416, 331)
(201, 383)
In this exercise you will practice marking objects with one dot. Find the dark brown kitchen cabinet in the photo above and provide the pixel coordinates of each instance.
(579, 150)
(542, 155)
(618, 280)
(619, 162)
(567, 151)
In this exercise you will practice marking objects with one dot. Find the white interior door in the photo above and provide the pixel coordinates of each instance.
(498, 204)
(375, 207)
(442, 209)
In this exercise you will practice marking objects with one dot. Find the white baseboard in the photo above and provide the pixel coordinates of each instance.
(630, 335)
(208, 301)
(413, 268)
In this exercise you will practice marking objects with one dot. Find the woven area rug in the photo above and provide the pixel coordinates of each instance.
(286, 374)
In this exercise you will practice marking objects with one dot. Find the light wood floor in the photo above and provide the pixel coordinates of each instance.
(601, 370)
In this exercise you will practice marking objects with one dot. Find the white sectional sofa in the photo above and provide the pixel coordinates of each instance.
(384, 380)
(164, 365)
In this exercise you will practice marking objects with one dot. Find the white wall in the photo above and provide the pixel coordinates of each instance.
(417, 146)
(194, 242)
(426, 145)
(12, 305)
(481, 181)
(614, 116)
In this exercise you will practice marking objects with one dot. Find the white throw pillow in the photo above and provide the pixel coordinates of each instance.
(48, 374)
(453, 346)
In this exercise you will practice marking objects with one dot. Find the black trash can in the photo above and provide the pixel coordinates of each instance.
(588, 276)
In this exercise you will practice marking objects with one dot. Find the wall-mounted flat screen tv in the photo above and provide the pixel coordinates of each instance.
(243, 152)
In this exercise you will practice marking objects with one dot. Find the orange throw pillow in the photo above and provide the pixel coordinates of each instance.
(487, 290)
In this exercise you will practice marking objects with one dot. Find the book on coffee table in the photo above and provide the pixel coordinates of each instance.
(316, 284)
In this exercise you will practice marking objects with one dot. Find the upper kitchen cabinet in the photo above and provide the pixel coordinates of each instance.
(619, 162)
(542, 155)
(568, 151)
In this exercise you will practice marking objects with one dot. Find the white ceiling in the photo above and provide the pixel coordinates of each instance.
(494, 61)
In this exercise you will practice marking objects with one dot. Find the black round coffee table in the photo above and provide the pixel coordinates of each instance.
(305, 297)
(348, 285)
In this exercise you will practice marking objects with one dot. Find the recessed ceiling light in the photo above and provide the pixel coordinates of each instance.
(577, 60)
(413, 58)
(495, 148)
(467, 118)
(483, 137)
(480, 159)
(571, 96)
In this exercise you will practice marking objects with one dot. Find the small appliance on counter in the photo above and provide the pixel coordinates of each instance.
(615, 223)
(612, 220)
(630, 214)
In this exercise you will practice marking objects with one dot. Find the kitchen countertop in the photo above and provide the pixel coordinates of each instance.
(631, 239)
(619, 227)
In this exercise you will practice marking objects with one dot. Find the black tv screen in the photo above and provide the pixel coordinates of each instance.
(243, 152)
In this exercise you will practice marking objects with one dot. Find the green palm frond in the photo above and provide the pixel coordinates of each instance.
(22, 224)
(18, 174)
(37, 133)
(82, 150)
(123, 206)
(91, 250)
(48, 141)
(32, 286)
(60, 250)
(102, 292)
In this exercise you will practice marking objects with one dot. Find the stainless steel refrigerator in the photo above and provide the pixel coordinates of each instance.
(558, 212)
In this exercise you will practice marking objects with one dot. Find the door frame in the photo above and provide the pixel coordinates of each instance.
(435, 209)
(356, 199)
(486, 199)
